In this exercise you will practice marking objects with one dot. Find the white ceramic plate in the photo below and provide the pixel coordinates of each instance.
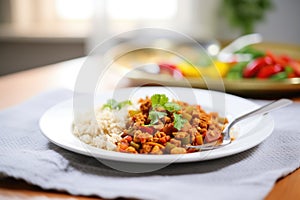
(56, 124)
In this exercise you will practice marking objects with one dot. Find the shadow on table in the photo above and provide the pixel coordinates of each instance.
(90, 165)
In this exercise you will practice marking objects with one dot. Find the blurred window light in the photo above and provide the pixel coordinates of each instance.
(141, 9)
(74, 9)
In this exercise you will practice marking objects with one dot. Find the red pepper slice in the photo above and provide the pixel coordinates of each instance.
(269, 70)
(292, 75)
(283, 60)
(254, 67)
(296, 67)
(170, 69)
(271, 56)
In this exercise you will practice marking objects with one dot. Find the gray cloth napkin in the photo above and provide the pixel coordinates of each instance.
(26, 154)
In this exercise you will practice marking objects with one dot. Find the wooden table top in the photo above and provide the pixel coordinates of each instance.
(18, 87)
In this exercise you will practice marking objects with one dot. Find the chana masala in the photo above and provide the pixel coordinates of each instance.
(160, 126)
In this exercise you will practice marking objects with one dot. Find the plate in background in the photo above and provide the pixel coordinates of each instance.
(244, 87)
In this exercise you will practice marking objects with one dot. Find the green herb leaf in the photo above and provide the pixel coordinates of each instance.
(114, 105)
(159, 100)
(255, 53)
(154, 116)
(179, 121)
(172, 107)
(122, 104)
(111, 104)
(288, 69)
(236, 71)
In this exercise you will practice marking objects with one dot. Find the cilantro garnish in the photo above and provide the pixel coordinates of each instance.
(154, 116)
(172, 107)
(179, 121)
(162, 100)
(159, 100)
(124, 103)
(115, 105)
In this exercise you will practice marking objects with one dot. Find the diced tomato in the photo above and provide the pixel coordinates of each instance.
(123, 146)
(146, 129)
(143, 140)
(128, 138)
(162, 140)
(191, 150)
(212, 136)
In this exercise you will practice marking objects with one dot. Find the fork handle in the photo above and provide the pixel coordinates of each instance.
(262, 110)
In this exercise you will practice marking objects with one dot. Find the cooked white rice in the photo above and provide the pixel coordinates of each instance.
(103, 128)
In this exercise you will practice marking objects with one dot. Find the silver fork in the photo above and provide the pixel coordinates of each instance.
(226, 132)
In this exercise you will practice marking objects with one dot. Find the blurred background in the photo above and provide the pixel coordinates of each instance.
(39, 32)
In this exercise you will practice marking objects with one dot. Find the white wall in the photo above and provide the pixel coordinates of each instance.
(281, 25)
(201, 19)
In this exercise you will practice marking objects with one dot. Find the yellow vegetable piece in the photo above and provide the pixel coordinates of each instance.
(199, 139)
(222, 67)
(188, 70)
(216, 70)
